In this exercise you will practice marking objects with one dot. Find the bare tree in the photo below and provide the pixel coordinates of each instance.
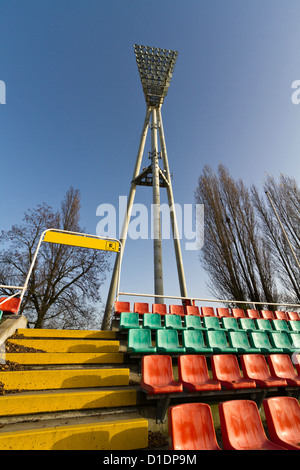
(64, 287)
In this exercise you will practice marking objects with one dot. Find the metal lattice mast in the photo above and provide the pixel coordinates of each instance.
(155, 67)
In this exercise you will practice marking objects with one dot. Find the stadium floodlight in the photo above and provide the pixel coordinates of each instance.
(155, 66)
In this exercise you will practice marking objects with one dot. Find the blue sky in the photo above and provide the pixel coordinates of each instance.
(75, 107)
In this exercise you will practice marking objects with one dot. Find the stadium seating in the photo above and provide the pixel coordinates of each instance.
(207, 312)
(238, 313)
(223, 312)
(193, 322)
(159, 308)
(252, 313)
(193, 374)
(139, 341)
(293, 316)
(280, 315)
(141, 307)
(212, 323)
(260, 340)
(242, 428)
(280, 325)
(281, 366)
(192, 310)
(174, 322)
(10, 306)
(255, 367)
(294, 325)
(129, 320)
(247, 324)
(157, 375)
(225, 369)
(282, 340)
(283, 421)
(267, 314)
(193, 342)
(122, 307)
(230, 324)
(167, 342)
(176, 310)
(240, 341)
(217, 340)
(191, 427)
(152, 321)
(263, 324)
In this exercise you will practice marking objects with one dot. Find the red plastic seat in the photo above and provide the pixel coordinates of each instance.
(223, 312)
(242, 428)
(193, 374)
(296, 362)
(282, 367)
(192, 310)
(280, 315)
(225, 369)
(207, 312)
(283, 421)
(191, 427)
(255, 367)
(141, 307)
(267, 314)
(176, 310)
(161, 309)
(122, 307)
(157, 375)
(11, 305)
(293, 316)
(252, 313)
(238, 313)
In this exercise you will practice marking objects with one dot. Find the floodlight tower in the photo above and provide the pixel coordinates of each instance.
(155, 67)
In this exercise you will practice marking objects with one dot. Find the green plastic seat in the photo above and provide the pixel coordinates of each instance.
(295, 339)
(217, 340)
(193, 322)
(139, 341)
(152, 321)
(193, 341)
(260, 340)
(263, 324)
(173, 322)
(167, 342)
(281, 339)
(230, 324)
(212, 323)
(240, 341)
(129, 320)
(294, 325)
(247, 324)
(280, 325)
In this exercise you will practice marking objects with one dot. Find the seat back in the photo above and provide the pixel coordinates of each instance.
(260, 340)
(212, 323)
(216, 338)
(247, 324)
(283, 421)
(230, 324)
(139, 338)
(122, 307)
(191, 427)
(152, 320)
(192, 368)
(241, 426)
(173, 321)
(225, 367)
(238, 313)
(280, 325)
(239, 340)
(294, 325)
(254, 366)
(207, 312)
(280, 339)
(267, 314)
(281, 366)
(167, 338)
(161, 309)
(192, 310)
(129, 320)
(252, 313)
(295, 339)
(141, 307)
(293, 316)
(193, 339)
(157, 370)
(11, 305)
(223, 312)
(176, 310)
(193, 322)
(263, 324)
(280, 315)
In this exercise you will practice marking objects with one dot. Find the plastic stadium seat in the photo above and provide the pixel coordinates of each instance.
(247, 324)
(167, 342)
(193, 322)
(293, 316)
(280, 315)
(263, 324)
(283, 421)
(242, 428)
(193, 342)
(176, 310)
(252, 313)
(230, 324)
(223, 312)
(192, 310)
(280, 339)
(280, 325)
(238, 313)
(139, 341)
(152, 321)
(217, 340)
(212, 323)
(240, 341)
(141, 307)
(260, 340)
(267, 314)
(225, 369)
(11, 305)
(129, 320)
(282, 367)
(174, 322)
(157, 375)
(193, 374)
(191, 427)
(294, 325)
(295, 339)
(159, 308)
(207, 312)
(122, 307)
(255, 367)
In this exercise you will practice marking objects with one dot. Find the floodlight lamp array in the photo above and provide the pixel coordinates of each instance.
(155, 66)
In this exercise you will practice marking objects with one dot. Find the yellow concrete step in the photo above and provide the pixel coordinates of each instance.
(111, 433)
(65, 358)
(68, 345)
(51, 333)
(56, 400)
(66, 378)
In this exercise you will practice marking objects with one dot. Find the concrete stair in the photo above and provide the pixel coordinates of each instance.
(74, 396)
